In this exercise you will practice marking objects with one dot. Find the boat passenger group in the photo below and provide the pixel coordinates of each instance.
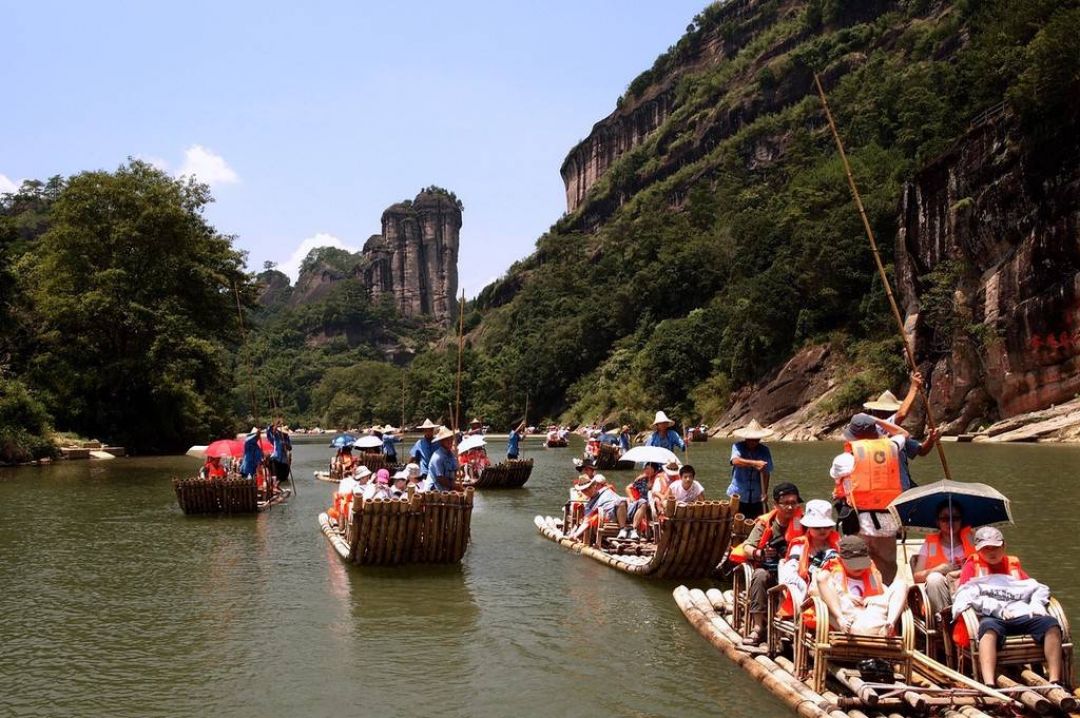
(844, 550)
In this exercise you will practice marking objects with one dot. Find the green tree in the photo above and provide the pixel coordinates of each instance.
(132, 293)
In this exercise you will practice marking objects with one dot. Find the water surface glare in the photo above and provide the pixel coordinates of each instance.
(116, 604)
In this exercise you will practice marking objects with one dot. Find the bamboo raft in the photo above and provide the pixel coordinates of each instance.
(430, 527)
(933, 688)
(556, 443)
(607, 458)
(692, 543)
(228, 496)
(511, 474)
(326, 476)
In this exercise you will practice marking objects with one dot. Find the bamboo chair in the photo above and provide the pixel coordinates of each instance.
(822, 646)
(929, 628)
(740, 602)
(1018, 651)
(780, 628)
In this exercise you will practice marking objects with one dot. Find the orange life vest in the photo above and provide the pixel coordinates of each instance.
(872, 585)
(215, 471)
(875, 481)
(794, 531)
(787, 607)
(935, 550)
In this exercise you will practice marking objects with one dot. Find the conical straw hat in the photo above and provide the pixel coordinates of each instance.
(662, 418)
(753, 430)
(886, 402)
(428, 425)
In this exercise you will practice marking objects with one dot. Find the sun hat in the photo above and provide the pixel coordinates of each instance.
(671, 468)
(753, 430)
(987, 536)
(861, 426)
(818, 514)
(443, 434)
(887, 401)
(785, 487)
(382, 477)
(412, 470)
(585, 464)
(362, 472)
(475, 421)
(428, 425)
(585, 481)
(662, 418)
(399, 475)
(854, 553)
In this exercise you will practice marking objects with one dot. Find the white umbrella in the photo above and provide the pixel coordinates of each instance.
(198, 451)
(471, 442)
(650, 455)
(368, 442)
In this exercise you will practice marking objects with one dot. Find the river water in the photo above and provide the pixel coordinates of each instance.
(116, 604)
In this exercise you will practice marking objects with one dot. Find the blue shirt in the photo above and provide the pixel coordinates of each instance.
(603, 501)
(911, 450)
(422, 450)
(746, 482)
(253, 456)
(281, 444)
(624, 441)
(669, 441)
(513, 443)
(388, 447)
(441, 470)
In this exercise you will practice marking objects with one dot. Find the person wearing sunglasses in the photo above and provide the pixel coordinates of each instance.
(942, 554)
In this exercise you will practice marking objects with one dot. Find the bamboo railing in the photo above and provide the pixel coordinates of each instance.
(511, 474)
(692, 542)
(428, 527)
(217, 496)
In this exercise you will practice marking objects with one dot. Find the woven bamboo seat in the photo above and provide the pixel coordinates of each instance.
(820, 646)
(1019, 651)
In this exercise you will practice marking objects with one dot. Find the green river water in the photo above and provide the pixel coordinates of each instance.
(116, 604)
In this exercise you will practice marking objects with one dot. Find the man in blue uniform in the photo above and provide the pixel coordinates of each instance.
(442, 468)
(425, 446)
(664, 436)
(513, 444)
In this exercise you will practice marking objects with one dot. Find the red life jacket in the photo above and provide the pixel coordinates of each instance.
(935, 550)
(794, 531)
(875, 480)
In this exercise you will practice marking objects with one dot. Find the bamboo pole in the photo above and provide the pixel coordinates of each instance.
(1058, 696)
(1031, 699)
(881, 271)
(460, 352)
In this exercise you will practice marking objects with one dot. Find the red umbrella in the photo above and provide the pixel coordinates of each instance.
(223, 448)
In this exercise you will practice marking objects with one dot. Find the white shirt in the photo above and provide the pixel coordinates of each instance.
(685, 496)
(346, 485)
(375, 491)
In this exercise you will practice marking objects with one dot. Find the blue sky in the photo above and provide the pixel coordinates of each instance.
(308, 119)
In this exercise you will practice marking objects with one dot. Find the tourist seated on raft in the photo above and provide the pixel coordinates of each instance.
(212, 469)
(662, 485)
(1008, 603)
(764, 547)
(475, 461)
(859, 602)
(603, 504)
(380, 488)
(686, 490)
(399, 485)
(807, 553)
(347, 488)
(345, 461)
(641, 488)
(943, 554)
(414, 478)
(870, 473)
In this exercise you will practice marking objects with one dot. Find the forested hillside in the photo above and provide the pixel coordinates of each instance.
(705, 256)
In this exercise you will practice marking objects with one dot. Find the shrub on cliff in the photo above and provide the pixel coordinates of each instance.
(25, 425)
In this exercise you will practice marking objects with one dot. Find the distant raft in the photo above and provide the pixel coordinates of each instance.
(431, 527)
(692, 542)
(233, 495)
(607, 458)
(511, 474)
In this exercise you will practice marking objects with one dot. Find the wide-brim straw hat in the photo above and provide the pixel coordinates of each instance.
(585, 481)
(428, 425)
(476, 421)
(671, 468)
(662, 418)
(753, 430)
(443, 433)
(887, 401)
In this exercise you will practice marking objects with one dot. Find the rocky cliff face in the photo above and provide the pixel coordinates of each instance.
(1008, 342)
(414, 260)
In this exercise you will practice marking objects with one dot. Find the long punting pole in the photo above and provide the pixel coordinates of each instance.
(243, 342)
(402, 401)
(881, 271)
(460, 350)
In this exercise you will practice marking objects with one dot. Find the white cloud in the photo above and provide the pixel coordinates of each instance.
(7, 185)
(207, 166)
(291, 266)
(154, 162)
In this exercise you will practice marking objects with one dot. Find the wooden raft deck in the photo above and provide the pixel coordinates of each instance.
(692, 543)
(934, 689)
(429, 527)
(222, 496)
(511, 474)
